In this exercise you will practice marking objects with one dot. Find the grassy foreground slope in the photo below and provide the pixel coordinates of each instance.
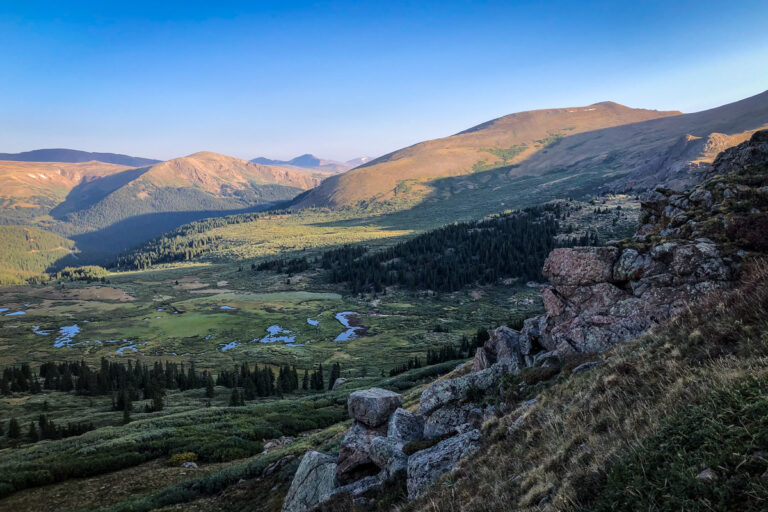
(634, 433)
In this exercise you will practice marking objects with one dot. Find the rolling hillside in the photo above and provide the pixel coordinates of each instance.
(106, 208)
(137, 204)
(629, 148)
(28, 189)
(506, 140)
(75, 156)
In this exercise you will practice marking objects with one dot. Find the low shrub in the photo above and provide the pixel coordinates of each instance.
(179, 459)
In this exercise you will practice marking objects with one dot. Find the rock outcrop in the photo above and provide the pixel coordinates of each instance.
(689, 245)
(426, 466)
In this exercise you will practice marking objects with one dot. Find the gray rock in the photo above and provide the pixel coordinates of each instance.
(356, 488)
(314, 480)
(707, 476)
(373, 406)
(189, 465)
(354, 454)
(452, 390)
(404, 426)
(387, 453)
(426, 466)
(446, 419)
(338, 382)
(504, 347)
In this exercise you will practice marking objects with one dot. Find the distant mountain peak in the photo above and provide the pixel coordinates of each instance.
(310, 162)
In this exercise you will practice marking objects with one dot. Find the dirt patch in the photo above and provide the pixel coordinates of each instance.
(213, 290)
(222, 283)
(88, 293)
(477, 294)
(192, 285)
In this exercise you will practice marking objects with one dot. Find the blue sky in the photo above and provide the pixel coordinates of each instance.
(342, 79)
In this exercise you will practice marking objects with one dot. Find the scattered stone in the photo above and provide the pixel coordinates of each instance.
(338, 382)
(373, 406)
(189, 465)
(707, 476)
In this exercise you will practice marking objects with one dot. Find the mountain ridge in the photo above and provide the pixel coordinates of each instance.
(76, 156)
(311, 162)
(632, 148)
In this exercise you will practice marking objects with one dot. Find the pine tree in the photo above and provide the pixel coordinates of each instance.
(305, 382)
(209, 391)
(234, 399)
(250, 389)
(14, 431)
(32, 432)
(335, 374)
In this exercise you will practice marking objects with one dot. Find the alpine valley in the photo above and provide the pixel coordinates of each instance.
(559, 309)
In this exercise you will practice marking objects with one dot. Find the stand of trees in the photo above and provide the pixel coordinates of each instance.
(512, 245)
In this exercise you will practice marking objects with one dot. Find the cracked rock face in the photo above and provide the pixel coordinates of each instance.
(637, 291)
(354, 455)
(426, 466)
(372, 407)
(404, 426)
(314, 480)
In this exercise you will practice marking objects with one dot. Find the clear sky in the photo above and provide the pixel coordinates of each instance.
(344, 79)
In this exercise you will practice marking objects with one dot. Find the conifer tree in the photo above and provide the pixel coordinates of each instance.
(14, 431)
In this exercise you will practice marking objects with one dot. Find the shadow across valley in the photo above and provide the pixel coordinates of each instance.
(88, 193)
(101, 246)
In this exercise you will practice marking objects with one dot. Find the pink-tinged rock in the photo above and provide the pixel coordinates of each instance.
(481, 361)
(552, 303)
(580, 266)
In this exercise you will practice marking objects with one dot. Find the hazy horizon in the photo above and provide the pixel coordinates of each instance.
(344, 81)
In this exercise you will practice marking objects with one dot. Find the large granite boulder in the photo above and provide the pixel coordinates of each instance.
(373, 407)
(354, 454)
(580, 266)
(404, 426)
(426, 466)
(447, 405)
(455, 390)
(314, 480)
(387, 453)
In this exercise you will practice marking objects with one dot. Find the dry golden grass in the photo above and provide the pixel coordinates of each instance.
(456, 154)
(583, 423)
